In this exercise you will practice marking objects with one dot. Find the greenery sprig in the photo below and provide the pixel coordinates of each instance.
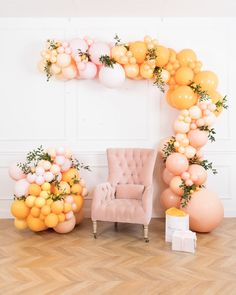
(158, 79)
(47, 68)
(187, 192)
(58, 197)
(52, 44)
(84, 55)
(107, 61)
(21, 198)
(198, 89)
(222, 104)
(118, 42)
(211, 132)
(151, 54)
(169, 148)
(204, 163)
(79, 165)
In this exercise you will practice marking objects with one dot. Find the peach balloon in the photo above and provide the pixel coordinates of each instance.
(163, 55)
(181, 127)
(167, 176)
(139, 50)
(169, 199)
(210, 119)
(69, 72)
(63, 60)
(205, 211)
(79, 216)
(175, 183)
(184, 76)
(131, 70)
(183, 97)
(198, 174)
(66, 226)
(55, 69)
(197, 138)
(207, 80)
(146, 71)
(195, 112)
(186, 56)
(190, 152)
(177, 163)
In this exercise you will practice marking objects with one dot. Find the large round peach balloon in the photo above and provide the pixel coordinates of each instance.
(163, 55)
(207, 80)
(131, 70)
(183, 97)
(139, 50)
(167, 176)
(169, 199)
(198, 174)
(186, 56)
(205, 211)
(184, 76)
(175, 184)
(177, 163)
(66, 226)
(197, 138)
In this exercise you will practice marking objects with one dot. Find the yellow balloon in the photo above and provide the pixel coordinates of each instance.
(20, 224)
(131, 70)
(183, 97)
(146, 72)
(35, 224)
(139, 50)
(19, 209)
(51, 220)
(207, 80)
(163, 55)
(186, 56)
(184, 76)
(118, 51)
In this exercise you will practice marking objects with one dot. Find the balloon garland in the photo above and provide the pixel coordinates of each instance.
(190, 90)
(49, 192)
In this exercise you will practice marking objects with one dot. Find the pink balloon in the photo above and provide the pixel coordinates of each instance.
(70, 72)
(69, 215)
(112, 77)
(185, 175)
(98, 49)
(198, 173)
(69, 199)
(48, 176)
(195, 112)
(15, 172)
(210, 119)
(175, 185)
(189, 182)
(169, 199)
(89, 72)
(197, 138)
(66, 166)
(177, 163)
(39, 180)
(21, 188)
(60, 160)
(60, 151)
(66, 226)
(55, 169)
(39, 171)
(181, 127)
(31, 177)
(190, 151)
(167, 176)
(205, 211)
(74, 207)
(78, 44)
(63, 60)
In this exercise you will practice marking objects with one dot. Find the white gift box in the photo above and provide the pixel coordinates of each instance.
(174, 223)
(184, 240)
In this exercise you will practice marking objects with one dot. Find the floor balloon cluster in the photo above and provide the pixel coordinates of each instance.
(48, 192)
(189, 89)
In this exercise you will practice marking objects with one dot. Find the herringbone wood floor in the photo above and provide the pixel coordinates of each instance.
(117, 263)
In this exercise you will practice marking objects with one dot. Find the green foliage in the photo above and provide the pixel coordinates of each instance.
(52, 44)
(198, 89)
(151, 54)
(119, 43)
(169, 148)
(188, 191)
(204, 163)
(107, 61)
(222, 104)
(211, 132)
(21, 198)
(79, 165)
(47, 70)
(158, 79)
(84, 55)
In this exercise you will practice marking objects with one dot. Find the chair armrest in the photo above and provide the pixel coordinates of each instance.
(103, 193)
(147, 199)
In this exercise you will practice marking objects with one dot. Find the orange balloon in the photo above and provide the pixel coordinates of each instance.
(34, 189)
(145, 71)
(131, 70)
(183, 97)
(186, 56)
(79, 201)
(118, 51)
(184, 76)
(168, 97)
(207, 80)
(51, 220)
(215, 96)
(57, 207)
(35, 224)
(163, 55)
(70, 174)
(19, 209)
(169, 199)
(76, 189)
(139, 50)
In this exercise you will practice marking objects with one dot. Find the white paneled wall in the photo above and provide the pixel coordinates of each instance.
(89, 117)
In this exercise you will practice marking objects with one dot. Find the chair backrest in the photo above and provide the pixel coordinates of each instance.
(131, 166)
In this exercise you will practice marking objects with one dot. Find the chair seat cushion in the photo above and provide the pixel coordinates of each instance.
(122, 210)
(129, 191)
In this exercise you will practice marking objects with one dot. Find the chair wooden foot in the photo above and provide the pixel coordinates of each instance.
(116, 225)
(145, 233)
(95, 229)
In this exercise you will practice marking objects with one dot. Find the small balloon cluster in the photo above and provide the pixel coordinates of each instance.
(49, 192)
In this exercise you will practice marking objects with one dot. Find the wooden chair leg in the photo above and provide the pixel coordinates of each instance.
(116, 225)
(95, 229)
(145, 232)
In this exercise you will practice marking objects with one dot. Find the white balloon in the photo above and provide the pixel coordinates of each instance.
(112, 77)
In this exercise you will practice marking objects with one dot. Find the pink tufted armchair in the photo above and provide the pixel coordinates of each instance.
(127, 196)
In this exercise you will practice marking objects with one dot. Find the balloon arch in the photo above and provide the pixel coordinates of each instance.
(189, 89)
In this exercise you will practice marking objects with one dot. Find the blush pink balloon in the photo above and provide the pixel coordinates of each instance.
(39, 171)
(21, 188)
(167, 176)
(66, 226)
(198, 173)
(177, 163)
(70, 72)
(31, 177)
(74, 207)
(63, 60)
(205, 211)
(189, 182)
(66, 166)
(185, 175)
(60, 160)
(200, 122)
(175, 184)
(195, 112)
(15, 172)
(197, 138)
(210, 119)
(78, 44)
(89, 72)
(59, 176)
(98, 49)
(60, 151)
(69, 215)
(39, 180)
(48, 176)
(81, 66)
(69, 199)
(60, 49)
(169, 199)
(190, 151)
(181, 127)
(112, 77)
(55, 169)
